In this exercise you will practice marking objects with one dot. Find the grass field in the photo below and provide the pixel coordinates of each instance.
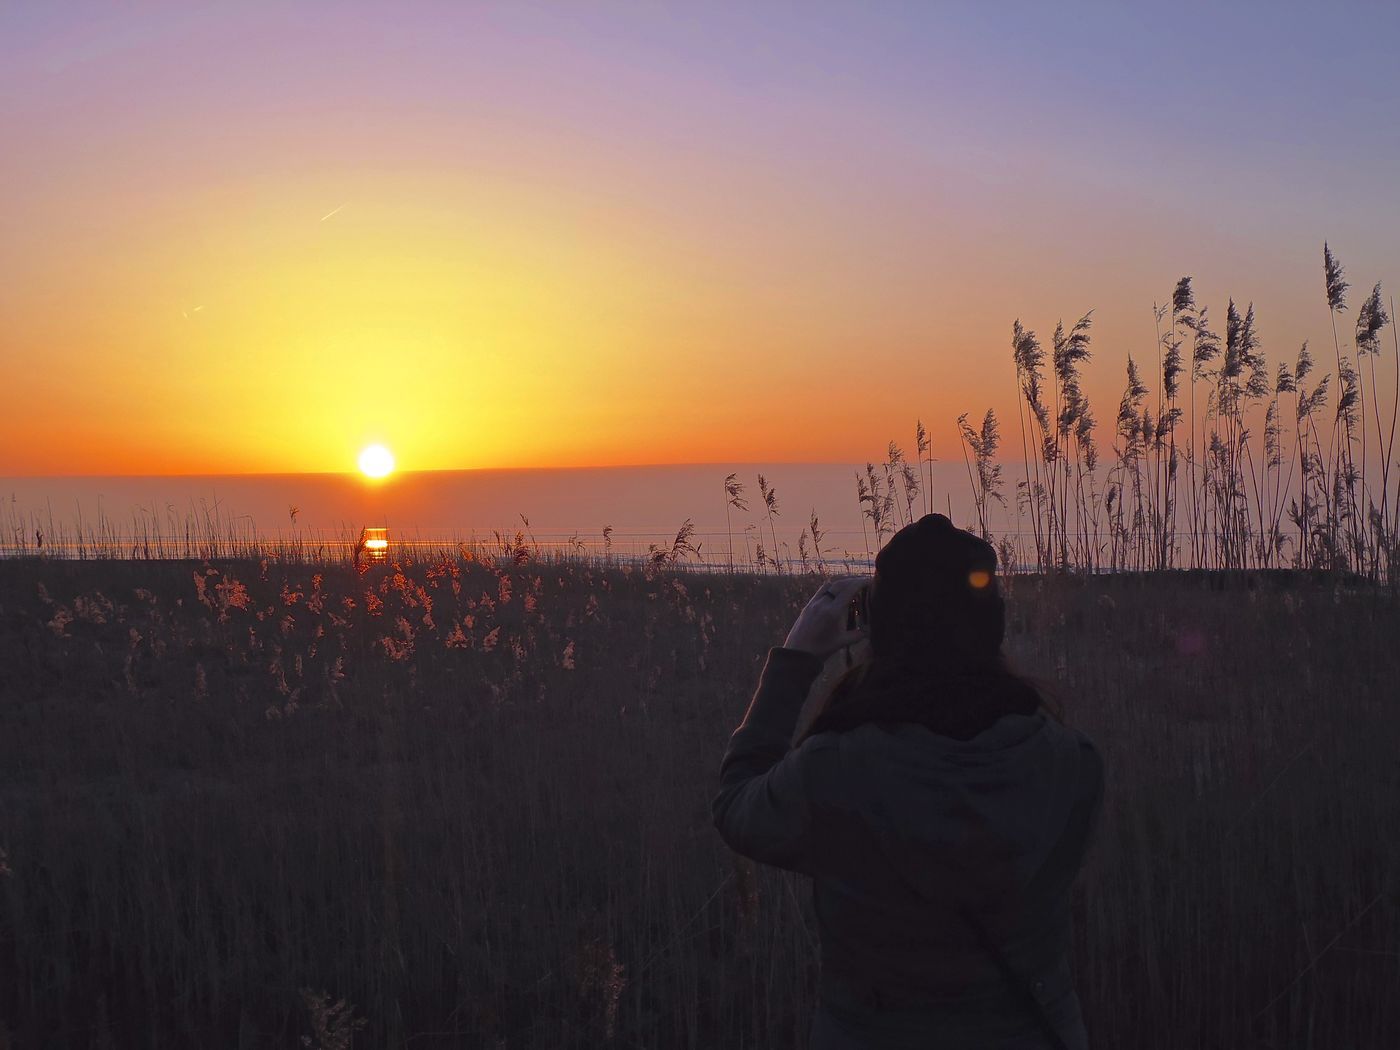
(245, 804)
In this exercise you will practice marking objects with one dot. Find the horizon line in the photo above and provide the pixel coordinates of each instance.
(464, 470)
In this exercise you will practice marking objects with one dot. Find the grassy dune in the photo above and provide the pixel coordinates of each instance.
(467, 804)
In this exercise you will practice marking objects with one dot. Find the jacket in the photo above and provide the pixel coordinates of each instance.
(901, 828)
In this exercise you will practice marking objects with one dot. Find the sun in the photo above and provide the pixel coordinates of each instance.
(376, 461)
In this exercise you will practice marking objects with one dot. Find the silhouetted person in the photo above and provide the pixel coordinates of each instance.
(942, 814)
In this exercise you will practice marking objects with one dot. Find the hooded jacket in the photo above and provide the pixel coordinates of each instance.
(900, 829)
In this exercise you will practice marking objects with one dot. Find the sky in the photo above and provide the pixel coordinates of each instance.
(257, 237)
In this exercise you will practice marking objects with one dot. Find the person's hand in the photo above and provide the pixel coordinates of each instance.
(821, 628)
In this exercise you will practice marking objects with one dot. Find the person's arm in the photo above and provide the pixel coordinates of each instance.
(764, 809)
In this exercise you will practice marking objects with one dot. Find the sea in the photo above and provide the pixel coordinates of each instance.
(628, 511)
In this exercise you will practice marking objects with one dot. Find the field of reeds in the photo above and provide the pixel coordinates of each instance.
(1218, 458)
(464, 801)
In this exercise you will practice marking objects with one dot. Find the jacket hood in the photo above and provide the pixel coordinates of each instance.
(968, 821)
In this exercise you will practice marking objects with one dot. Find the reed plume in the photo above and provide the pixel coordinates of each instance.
(770, 504)
(1069, 351)
(733, 500)
(987, 483)
(1029, 359)
(1370, 319)
(679, 548)
(1205, 348)
(817, 535)
(921, 442)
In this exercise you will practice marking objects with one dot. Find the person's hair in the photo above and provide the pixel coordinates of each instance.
(856, 699)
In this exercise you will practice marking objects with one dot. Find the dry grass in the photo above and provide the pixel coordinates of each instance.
(473, 810)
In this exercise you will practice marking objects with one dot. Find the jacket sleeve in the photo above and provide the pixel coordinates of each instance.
(765, 807)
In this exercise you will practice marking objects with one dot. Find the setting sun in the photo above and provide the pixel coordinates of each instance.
(376, 461)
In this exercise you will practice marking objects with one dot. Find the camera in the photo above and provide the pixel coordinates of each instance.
(858, 611)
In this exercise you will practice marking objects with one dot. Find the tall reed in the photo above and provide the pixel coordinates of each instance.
(1262, 491)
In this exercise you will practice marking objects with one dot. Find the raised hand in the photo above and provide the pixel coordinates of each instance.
(820, 629)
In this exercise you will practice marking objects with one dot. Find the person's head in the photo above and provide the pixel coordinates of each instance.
(934, 603)
(936, 624)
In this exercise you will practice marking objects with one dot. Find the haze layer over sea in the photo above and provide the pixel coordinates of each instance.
(565, 508)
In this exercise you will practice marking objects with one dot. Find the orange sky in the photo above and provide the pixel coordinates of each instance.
(567, 239)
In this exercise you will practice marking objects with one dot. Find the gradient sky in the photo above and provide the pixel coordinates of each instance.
(603, 234)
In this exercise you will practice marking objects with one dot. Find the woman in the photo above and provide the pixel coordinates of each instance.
(942, 815)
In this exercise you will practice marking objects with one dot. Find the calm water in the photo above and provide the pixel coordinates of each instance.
(643, 505)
